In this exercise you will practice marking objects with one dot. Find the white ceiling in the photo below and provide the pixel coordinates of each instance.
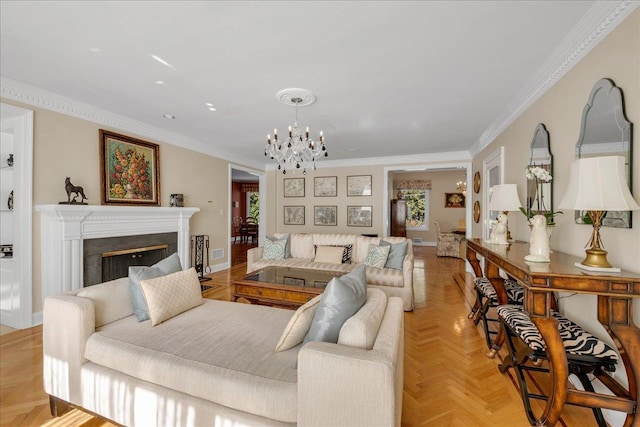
(391, 78)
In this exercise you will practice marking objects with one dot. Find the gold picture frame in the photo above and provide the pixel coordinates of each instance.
(129, 170)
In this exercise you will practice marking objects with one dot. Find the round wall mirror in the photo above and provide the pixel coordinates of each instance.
(605, 131)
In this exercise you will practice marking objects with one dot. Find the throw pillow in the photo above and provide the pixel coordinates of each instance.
(274, 249)
(341, 299)
(377, 256)
(396, 254)
(347, 250)
(170, 295)
(287, 248)
(298, 325)
(170, 264)
(330, 254)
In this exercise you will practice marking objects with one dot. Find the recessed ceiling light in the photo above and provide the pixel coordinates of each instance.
(159, 82)
(95, 49)
(212, 109)
(169, 116)
(208, 104)
(163, 62)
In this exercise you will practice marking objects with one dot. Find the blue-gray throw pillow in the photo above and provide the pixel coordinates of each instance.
(396, 254)
(341, 299)
(169, 265)
(287, 248)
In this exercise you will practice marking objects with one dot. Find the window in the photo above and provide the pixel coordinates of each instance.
(253, 205)
(417, 209)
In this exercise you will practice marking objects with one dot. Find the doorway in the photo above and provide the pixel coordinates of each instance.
(246, 218)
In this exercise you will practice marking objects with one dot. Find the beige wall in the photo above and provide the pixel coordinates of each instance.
(276, 210)
(441, 182)
(560, 109)
(66, 146)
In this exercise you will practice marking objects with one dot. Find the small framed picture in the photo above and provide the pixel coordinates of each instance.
(129, 170)
(359, 185)
(325, 215)
(294, 187)
(359, 216)
(454, 200)
(294, 215)
(325, 186)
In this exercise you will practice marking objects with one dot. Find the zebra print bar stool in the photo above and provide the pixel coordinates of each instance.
(486, 298)
(585, 353)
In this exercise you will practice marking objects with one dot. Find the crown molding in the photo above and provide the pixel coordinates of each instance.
(22, 92)
(598, 22)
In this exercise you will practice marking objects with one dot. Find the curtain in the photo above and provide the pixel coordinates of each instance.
(414, 184)
(249, 187)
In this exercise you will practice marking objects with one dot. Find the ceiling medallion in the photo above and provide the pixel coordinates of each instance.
(297, 150)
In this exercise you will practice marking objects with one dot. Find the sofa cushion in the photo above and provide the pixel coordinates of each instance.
(299, 325)
(274, 249)
(377, 256)
(330, 254)
(301, 245)
(362, 247)
(110, 299)
(342, 297)
(361, 329)
(396, 254)
(170, 264)
(232, 364)
(167, 296)
(385, 277)
(285, 237)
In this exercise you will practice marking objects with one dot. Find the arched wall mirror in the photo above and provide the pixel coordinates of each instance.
(605, 131)
(540, 173)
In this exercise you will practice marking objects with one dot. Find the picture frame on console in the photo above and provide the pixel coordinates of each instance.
(129, 170)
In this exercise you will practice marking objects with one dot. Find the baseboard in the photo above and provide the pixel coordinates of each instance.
(219, 267)
(423, 243)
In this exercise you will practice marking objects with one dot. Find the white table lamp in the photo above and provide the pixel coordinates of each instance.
(504, 198)
(598, 185)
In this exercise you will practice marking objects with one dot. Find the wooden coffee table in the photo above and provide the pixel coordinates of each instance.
(282, 286)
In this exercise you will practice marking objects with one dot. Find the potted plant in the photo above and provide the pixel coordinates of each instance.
(540, 176)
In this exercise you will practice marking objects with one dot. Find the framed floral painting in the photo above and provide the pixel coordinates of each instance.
(129, 170)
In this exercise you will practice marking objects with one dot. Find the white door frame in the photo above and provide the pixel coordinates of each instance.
(19, 121)
(492, 171)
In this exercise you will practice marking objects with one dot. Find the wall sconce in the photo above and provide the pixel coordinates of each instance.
(235, 204)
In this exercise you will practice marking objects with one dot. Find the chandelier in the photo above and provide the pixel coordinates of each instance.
(462, 186)
(297, 150)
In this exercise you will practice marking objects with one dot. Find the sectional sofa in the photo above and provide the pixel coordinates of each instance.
(215, 364)
(394, 282)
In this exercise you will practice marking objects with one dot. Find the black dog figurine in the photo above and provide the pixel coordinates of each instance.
(70, 188)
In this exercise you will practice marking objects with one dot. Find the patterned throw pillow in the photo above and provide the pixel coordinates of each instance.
(274, 249)
(287, 248)
(377, 256)
(170, 295)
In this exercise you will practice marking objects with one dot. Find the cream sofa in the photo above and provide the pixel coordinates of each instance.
(394, 282)
(215, 364)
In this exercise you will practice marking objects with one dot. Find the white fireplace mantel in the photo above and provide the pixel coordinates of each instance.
(65, 227)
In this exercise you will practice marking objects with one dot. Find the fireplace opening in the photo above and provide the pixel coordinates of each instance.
(110, 258)
(115, 264)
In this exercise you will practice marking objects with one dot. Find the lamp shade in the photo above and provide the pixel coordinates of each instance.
(598, 184)
(504, 197)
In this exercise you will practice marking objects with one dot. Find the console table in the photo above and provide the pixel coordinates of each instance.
(615, 292)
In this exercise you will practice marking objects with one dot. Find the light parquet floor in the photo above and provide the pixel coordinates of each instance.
(448, 379)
